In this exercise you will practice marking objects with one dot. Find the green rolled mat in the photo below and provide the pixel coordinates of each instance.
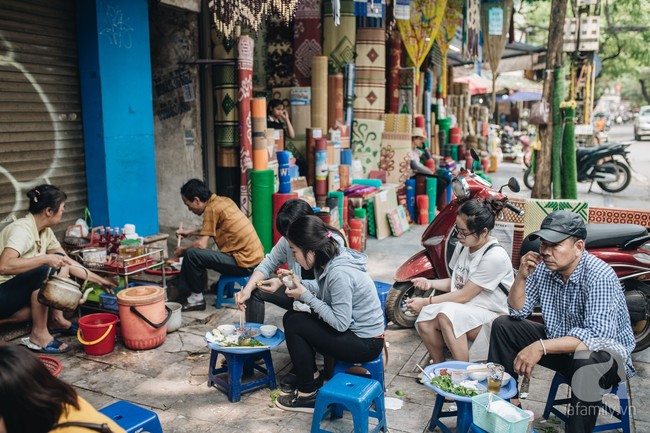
(432, 192)
(360, 212)
(340, 196)
(569, 172)
(372, 227)
(558, 96)
(454, 152)
(262, 186)
(368, 182)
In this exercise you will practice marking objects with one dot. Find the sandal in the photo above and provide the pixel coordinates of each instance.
(69, 332)
(52, 347)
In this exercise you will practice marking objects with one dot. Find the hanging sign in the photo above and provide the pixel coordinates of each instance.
(495, 21)
(402, 10)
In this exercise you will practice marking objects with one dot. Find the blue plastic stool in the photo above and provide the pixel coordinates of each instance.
(238, 365)
(619, 390)
(375, 368)
(226, 289)
(382, 291)
(357, 395)
(132, 418)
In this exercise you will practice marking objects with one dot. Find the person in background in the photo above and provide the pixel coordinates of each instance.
(240, 249)
(419, 153)
(586, 335)
(476, 292)
(29, 254)
(279, 118)
(346, 320)
(34, 401)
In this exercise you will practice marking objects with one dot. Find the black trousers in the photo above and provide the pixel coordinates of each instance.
(16, 293)
(255, 305)
(197, 260)
(589, 373)
(306, 334)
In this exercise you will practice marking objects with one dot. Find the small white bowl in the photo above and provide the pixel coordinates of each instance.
(479, 375)
(268, 331)
(226, 329)
(458, 376)
(506, 379)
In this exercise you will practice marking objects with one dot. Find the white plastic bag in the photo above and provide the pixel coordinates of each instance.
(84, 228)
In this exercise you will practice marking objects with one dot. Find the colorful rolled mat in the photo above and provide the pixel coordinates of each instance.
(346, 156)
(344, 131)
(368, 182)
(338, 41)
(340, 199)
(348, 93)
(370, 13)
(538, 209)
(395, 156)
(407, 96)
(312, 135)
(394, 64)
(370, 77)
(344, 175)
(432, 192)
(279, 39)
(330, 153)
(444, 196)
(259, 142)
(259, 59)
(423, 208)
(271, 145)
(300, 109)
(307, 40)
(226, 129)
(420, 185)
(410, 198)
(283, 172)
(356, 227)
(472, 30)
(366, 143)
(260, 157)
(320, 158)
(326, 217)
(360, 213)
(245, 74)
(258, 116)
(278, 201)
(334, 100)
(398, 123)
(319, 93)
(372, 227)
(262, 185)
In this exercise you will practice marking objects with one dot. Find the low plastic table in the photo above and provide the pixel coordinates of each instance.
(240, 362)
(464, 404)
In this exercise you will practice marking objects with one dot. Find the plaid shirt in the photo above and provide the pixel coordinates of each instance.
(590, 306)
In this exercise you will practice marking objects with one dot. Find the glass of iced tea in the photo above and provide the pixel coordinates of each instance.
(495, 377)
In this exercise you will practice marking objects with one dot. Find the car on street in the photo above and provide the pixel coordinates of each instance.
(642, 123)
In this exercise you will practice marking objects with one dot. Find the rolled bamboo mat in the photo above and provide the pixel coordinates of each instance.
(312, 135)
(278, 201)
(307, 39)
(339, 40)
(319, 93)
(366, 143)
(370, 79)
(334, 100)
(348, 93)
(262, 185)
(321, 169)
(394, 60)
(245, 66)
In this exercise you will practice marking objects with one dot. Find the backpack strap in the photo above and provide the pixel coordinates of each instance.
(492, 245)
(102, 428)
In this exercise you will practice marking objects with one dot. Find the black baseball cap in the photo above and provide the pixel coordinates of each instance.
(559, 225)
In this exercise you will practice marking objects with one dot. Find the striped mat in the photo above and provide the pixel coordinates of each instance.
(370, 80)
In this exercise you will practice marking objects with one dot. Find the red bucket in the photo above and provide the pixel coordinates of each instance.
(97, 333)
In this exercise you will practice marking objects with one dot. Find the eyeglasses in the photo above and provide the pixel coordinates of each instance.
(464, 233)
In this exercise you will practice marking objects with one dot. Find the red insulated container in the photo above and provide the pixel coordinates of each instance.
(143, 316)
(454, 135)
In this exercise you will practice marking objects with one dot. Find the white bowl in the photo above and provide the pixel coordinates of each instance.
(268, 331)
(506, 379)
(226, 329)
(479, 375)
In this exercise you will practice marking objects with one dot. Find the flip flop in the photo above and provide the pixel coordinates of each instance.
(52, 347)
(69, 332)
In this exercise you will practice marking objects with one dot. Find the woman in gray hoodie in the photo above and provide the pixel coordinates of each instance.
(346, 320)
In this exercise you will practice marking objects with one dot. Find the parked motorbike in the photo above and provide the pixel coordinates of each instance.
(439, 241)
(626, 247)
(601, 164)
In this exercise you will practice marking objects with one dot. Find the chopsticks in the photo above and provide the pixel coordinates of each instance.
(180, 227)
(474, 370)
(241, 314)
(424, 372)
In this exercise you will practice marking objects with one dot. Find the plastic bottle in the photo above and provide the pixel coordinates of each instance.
(530, 428)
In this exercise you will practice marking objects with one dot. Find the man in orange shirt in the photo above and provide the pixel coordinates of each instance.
(240, 249)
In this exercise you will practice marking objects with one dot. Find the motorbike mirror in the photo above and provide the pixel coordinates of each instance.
(512, 184)
(475, 156)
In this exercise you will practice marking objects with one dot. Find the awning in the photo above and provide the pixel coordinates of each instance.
(517, 56)
(477, 85)
(523, 95)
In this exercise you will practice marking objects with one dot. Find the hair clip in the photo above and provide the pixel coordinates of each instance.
(329, 234)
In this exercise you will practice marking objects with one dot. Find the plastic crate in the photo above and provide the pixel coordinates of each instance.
(493, 422)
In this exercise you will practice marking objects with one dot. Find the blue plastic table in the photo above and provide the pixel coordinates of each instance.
(464, 404)
(240, 362)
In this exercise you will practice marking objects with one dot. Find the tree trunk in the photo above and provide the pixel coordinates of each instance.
(644, 91)
(542, 188)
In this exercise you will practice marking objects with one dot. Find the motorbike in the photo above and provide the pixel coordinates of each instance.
(439, 240)
(625, 247)
(600, 164)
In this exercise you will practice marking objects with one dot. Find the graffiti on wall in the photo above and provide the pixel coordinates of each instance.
(116, 28)
(7, 60)
(174, 93)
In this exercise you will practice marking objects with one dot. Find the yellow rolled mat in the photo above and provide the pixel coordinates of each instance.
(260, 159)
(334, 100)
(319, 92)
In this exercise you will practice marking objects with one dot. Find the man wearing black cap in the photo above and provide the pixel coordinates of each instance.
(586, 334)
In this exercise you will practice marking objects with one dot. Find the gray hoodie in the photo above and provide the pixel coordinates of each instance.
(344, 296)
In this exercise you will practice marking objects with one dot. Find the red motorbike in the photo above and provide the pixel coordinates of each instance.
(625, 247)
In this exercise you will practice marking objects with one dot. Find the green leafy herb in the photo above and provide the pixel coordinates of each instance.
(445, 383)
(399, 393)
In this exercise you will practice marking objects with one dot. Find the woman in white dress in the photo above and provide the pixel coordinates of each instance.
(477, 290)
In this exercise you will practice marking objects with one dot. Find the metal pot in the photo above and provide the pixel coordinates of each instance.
(63, 293)
(94, 257)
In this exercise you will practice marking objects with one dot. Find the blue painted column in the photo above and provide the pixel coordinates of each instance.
(117, 112)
